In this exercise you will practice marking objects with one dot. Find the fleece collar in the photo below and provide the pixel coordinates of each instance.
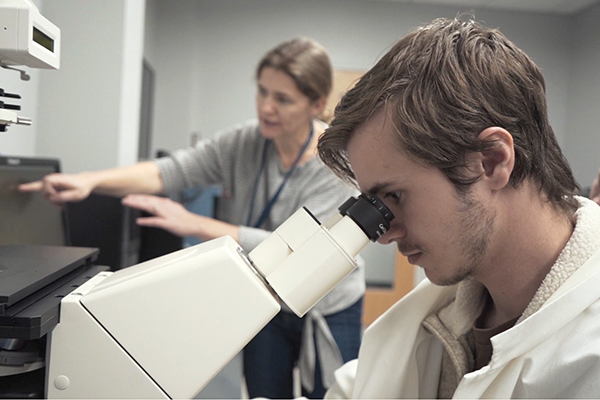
(584, 242)
(459, 316)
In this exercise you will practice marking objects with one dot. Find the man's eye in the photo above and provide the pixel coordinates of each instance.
(394, 196)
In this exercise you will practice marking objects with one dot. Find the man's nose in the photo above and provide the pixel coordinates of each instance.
(397, 231)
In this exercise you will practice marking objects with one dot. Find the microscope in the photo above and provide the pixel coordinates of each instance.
(165, 327)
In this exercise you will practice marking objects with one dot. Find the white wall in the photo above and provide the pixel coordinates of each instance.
(89, 108)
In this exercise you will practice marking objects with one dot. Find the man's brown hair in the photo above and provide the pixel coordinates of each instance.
(443, 84)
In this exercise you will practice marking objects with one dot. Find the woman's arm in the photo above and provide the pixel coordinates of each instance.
(173, 217)
(143, 177)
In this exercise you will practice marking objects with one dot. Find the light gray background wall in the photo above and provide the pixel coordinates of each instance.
(204, 53)
(582, 133)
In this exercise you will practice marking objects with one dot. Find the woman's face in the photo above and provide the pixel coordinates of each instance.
(283, 110)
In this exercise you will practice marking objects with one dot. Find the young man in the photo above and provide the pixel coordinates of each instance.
(450, 129)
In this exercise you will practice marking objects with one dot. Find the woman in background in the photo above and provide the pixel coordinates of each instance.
(268, 169)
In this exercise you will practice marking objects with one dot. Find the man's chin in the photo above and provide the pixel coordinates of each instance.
(445, 280)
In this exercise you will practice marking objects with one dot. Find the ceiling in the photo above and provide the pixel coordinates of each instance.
(565, 7)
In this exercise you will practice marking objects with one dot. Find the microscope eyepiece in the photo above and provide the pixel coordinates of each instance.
(369, 213)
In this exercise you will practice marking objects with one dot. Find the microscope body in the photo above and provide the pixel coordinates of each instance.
(160, 329)
(164, 328)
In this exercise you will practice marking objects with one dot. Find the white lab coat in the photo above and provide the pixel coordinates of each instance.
(552, 353)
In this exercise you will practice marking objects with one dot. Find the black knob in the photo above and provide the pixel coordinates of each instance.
(369, 213)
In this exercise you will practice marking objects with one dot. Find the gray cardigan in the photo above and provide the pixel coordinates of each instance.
(232, 159)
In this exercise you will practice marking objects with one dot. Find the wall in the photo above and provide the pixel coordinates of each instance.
(204, 53)
(170, 49)
(89, 108)
(582, 144)
(205, 76)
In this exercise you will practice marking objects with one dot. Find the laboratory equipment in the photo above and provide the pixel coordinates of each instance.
(28, 218)
(164, 328)
(26, 38)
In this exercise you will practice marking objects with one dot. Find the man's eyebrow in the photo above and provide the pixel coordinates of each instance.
(378, 187)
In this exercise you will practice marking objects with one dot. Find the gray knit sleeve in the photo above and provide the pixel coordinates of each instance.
(208, 163)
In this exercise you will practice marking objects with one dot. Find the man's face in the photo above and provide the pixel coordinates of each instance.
(444, 233)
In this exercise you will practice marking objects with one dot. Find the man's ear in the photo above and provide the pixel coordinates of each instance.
(498, 160)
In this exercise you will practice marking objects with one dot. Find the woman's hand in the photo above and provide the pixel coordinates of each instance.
(143, 177)
(173, 217)
(61, 188)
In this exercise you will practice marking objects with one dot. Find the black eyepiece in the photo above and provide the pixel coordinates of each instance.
(369, 213)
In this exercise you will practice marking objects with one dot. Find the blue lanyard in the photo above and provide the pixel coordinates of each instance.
(265, 213)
